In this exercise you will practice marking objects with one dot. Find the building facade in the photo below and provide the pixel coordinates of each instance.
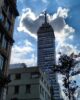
(8, 13)
(28, 83)
(46, 54)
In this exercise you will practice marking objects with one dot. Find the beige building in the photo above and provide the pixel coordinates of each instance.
(28, 83)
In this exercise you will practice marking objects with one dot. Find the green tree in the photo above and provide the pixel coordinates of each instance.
(66, 67)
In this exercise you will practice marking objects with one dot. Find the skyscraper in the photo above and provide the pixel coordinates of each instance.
(8, 13)
(46, 54)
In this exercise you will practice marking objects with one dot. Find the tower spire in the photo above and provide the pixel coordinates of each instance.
(45, 17)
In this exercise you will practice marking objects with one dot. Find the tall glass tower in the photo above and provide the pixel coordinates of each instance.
(46, 54)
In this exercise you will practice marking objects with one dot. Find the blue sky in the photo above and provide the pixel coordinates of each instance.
(63, 15)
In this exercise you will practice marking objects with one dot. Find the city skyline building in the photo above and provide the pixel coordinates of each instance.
(8, 13)
(46, 55)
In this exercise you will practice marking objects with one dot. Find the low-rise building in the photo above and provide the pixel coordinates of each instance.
(28, 83)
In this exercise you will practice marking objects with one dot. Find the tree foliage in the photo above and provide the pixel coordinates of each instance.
(65, 67)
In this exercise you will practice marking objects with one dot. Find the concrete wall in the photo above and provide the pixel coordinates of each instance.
(30, 76)
(25, 79)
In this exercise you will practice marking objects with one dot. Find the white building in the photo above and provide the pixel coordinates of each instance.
(28, 83)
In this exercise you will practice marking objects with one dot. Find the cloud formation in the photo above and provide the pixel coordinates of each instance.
(30, 23)
(20, 54)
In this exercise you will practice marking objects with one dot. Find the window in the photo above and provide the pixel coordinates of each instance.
(28, 88)
(16, 89)
(7, 90)
(34, 75)
(4, 42)
(17, 76)
(7, 25)
(1, 62)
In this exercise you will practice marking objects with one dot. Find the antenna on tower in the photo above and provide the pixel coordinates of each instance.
(45, 16)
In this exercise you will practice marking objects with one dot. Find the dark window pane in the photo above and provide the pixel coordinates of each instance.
(4, 42)
(18, 76)
(16, 89)
(28, 88)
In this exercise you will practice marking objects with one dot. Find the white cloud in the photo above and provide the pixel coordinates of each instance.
(29, 23)
(28, 61)
(31, 17)
(20, 54)
(45, 1)
(71, 37)
(67, 49)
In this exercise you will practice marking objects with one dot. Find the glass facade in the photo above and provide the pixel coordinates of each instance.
(46, 55)
(46, 50)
